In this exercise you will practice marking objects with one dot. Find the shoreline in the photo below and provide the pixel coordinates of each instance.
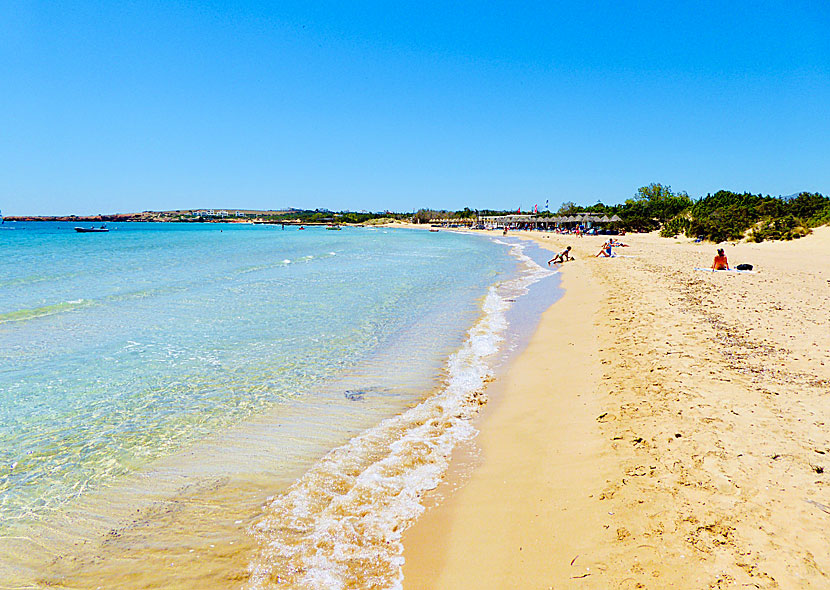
(504, 499)
(690, 449)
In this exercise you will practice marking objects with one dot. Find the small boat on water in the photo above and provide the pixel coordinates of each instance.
(91, 230)
(333, 227)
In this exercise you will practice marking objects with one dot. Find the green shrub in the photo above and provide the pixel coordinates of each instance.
(820, 218)
(787, 227)
(809, 205)
(652, 206)
(732, 216)
(718, 217)
(676, 225)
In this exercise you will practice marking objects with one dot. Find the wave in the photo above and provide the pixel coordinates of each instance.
(37, 312)
(25, 280)
(47, 310)
(340, 525)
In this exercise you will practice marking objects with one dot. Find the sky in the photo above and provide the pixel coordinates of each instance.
(127, 106)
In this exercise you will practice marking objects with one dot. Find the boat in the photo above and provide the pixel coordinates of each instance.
(333, 227)
(91, 230)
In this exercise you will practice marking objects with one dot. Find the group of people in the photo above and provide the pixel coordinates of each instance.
(720, 262)
(606, 250)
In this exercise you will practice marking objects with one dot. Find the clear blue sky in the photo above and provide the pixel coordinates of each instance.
(125, 106)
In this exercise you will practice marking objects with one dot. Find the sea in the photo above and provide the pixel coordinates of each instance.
(188, 405)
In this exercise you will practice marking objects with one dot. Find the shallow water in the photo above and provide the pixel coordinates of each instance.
(157, 383)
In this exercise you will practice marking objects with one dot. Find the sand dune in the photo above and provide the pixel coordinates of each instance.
(666, 428)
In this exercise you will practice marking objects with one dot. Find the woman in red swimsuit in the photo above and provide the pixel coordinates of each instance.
(720, 262)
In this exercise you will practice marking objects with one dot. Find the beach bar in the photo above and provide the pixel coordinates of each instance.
(517, 221)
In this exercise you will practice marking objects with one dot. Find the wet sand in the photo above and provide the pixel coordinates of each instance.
(665, 428)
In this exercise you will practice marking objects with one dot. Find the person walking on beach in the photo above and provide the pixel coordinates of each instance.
(720, 262)
(562, 256)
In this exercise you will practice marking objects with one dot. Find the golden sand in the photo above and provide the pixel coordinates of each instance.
(665, 428)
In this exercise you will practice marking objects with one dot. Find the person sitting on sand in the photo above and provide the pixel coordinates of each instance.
(720, 262)
(563, 256)
(606, 250)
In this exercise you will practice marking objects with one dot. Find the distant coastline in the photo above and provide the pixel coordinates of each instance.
(246, 216)
(178, 216)
(145, 219)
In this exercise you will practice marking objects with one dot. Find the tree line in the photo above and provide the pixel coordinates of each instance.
(718, 217)
(724, 215)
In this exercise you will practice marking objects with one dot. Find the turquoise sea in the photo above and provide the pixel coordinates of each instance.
(272, 402)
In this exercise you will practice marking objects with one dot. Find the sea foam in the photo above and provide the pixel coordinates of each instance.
(340, 525)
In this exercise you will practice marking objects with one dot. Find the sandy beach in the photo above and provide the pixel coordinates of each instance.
(664, 428)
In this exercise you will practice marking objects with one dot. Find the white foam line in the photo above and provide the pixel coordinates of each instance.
(342, 522)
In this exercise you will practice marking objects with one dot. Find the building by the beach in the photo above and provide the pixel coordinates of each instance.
(585, 220)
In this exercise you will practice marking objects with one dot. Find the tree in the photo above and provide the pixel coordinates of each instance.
(568, 208)
(652, 206)
(425, 216)
(808, 205)
(653, 193)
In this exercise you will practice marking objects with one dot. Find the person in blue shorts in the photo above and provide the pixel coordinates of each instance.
(606, 250)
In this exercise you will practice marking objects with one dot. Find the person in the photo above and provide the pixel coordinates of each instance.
(606, 250)
(562, 256)
(720, 262)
